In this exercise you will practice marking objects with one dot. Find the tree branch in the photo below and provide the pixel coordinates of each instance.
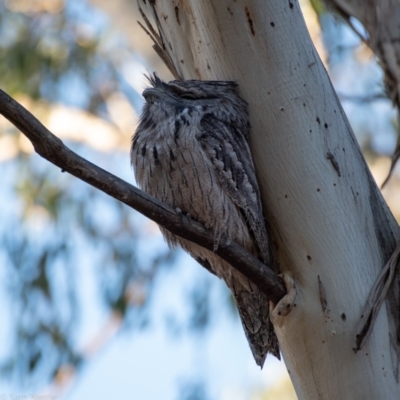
(362, 99)
(53, 149)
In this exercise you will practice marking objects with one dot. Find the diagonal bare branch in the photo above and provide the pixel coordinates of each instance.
(53, 149)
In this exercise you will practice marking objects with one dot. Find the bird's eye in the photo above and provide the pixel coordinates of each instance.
(188, 96)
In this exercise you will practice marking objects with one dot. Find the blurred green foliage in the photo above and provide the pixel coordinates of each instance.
(318, 6)
(42, 51)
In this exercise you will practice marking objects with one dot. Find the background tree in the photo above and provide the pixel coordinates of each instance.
(380, 32)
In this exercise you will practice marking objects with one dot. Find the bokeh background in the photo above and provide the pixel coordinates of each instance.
(93, 303)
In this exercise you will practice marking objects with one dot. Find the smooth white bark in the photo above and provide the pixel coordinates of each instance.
(328, 221)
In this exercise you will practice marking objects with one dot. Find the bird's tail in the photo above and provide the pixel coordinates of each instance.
(254, 313)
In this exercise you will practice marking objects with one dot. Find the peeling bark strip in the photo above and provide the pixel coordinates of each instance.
(159, 45)
(378, 294)
(333, 161)
(53, 149)
(287, 303)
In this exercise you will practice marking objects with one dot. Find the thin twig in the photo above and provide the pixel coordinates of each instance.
(157, 38)
(369, 98)
(53, 149)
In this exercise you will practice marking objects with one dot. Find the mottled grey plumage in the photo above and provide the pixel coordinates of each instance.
(191, 151)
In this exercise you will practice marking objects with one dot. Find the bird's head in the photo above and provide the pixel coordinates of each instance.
(189, 93)
(165, 101)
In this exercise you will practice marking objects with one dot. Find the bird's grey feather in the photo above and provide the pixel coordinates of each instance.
(191, 151)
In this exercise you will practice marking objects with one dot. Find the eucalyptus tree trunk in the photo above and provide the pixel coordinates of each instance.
(331, 230)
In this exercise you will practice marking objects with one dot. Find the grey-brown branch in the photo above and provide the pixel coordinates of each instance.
(53, 149)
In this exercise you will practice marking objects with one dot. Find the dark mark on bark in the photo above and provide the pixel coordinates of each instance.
(291, 4)
(360, 336)
(354, 195)
(272, 24)
(322, 297)
(177, 15)
(318, 120)
(250, 21)
(334, 163)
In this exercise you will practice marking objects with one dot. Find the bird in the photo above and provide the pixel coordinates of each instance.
(191, 151)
